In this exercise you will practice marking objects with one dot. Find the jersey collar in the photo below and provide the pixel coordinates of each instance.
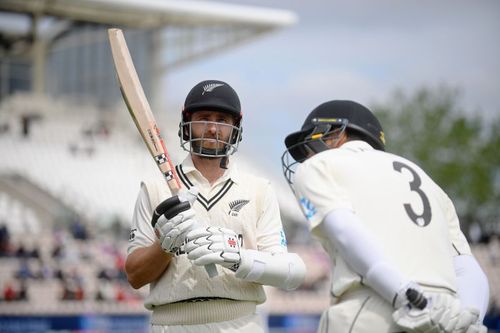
(357, 145)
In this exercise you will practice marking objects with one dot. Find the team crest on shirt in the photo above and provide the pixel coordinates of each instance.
(307, 207)
(235, 206)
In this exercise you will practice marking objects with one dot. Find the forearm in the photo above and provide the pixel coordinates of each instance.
(145, 265)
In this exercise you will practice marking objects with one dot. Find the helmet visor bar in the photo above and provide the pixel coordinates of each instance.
(223, 142)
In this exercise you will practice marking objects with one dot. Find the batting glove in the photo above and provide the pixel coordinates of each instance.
(214, 245)
(477, 328)
(468, 322)
(173, 219)
(433, 313)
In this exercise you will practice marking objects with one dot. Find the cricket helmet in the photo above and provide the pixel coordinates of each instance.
(327, 118)
(333, 114)
(211, 95)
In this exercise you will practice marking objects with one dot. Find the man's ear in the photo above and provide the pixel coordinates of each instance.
(343, 139)
(337, 140)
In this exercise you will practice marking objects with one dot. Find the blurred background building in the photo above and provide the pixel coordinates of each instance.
(71, 160)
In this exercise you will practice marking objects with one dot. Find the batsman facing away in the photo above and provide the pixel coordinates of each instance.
(220, 216)
(400, 262)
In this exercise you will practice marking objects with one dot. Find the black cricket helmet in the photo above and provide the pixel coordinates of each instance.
(211, 95)
(336, 115)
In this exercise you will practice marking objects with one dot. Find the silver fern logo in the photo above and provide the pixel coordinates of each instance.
(235, 206)
(210, 87)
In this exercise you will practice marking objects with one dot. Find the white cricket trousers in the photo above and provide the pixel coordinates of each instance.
(247, 324)
(359, 311)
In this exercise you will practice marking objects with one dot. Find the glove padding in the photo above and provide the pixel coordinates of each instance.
(468, 322)
(174, 218)
(213, 245)
(477, 328)
(442, 313)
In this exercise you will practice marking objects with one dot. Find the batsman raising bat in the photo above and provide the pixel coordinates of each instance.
(400, 261)
(220, 216)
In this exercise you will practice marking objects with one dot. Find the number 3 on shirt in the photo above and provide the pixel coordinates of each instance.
(425, 218)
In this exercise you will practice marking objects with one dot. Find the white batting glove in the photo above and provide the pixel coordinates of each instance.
(213, 245)
(468, 322)
(442, 314)
(174, 218)
(477, 328)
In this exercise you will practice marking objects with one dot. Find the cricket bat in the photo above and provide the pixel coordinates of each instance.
(140, 111)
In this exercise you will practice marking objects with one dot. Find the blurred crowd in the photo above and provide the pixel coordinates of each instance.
(71, 264)
(82, 267)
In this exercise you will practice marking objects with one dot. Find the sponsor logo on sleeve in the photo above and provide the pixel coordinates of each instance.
(283, 241)
(307, 207)
(131, 237)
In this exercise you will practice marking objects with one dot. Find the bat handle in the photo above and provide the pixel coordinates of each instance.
(416, 298)
(211, 270)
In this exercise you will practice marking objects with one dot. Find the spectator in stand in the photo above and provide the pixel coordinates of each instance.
(105, 291)
(21, 252)
(59, 274)
(78, 229)
(57, 251)
(35, 252)
(25, 271)
(22, 294)
(72, 290)
(4, 241)
(9, 292)
(46, 271)
(105, 274)
(120, 294)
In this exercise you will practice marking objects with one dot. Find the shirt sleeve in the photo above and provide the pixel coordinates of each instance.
(141, 233)
(270, 234)
(457, 238)
(318, 191)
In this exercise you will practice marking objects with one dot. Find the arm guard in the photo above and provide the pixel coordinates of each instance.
(282, 270)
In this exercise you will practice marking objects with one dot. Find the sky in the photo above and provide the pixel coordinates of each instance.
(361, 50)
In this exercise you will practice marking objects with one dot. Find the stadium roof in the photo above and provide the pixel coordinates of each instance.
(153, 13)
(200, 28)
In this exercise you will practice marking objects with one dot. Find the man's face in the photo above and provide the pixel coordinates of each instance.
(214, 127)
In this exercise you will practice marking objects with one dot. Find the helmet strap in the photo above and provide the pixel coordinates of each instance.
(223, 162)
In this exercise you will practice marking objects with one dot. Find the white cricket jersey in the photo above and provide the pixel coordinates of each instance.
(242, 202)
(413, 220)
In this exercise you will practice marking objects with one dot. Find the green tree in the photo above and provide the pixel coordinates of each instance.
(460, 150)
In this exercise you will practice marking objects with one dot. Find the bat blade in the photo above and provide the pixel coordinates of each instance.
(140, 111)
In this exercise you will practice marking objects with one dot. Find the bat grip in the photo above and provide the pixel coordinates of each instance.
(416, 298)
